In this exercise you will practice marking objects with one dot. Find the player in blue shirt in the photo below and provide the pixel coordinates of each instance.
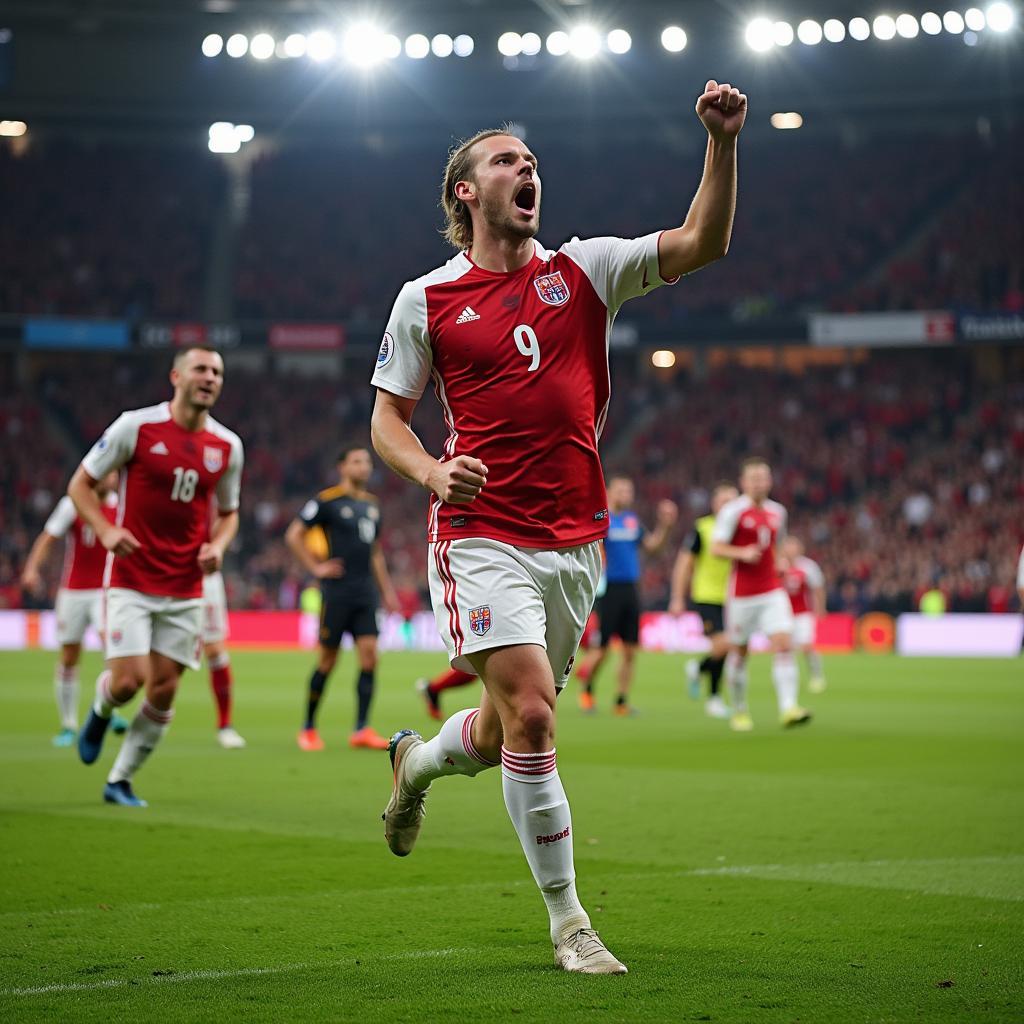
(618, 607)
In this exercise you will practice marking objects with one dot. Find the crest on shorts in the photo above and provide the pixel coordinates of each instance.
(116, 637)
(480, 619)
(213, 459)
(552, 289)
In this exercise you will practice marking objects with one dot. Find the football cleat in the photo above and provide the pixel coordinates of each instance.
(587, 702)
(693, 678)
(741, 722)
(715, 707)
(816, 685)
(433, 701)
(90, 739)
(65, 738)
(404, 813)
(309, 739)
(624, 710)
(584, 953)
(118, 724)
(368, 739)
(229, 739)
(796, 715)
(121, 793)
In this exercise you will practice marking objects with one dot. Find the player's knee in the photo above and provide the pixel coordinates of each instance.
(534, 722)
(327, 660)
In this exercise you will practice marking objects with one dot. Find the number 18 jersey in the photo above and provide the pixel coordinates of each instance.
(741, 522)
(519, 363)
(169, 475)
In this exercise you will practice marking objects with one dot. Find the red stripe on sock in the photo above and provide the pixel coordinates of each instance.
(156, 715)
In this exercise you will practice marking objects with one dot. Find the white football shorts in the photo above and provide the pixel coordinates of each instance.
(805, 629)
(139, 624)
(76, 611)
(769, 613)
(488, 594)
(215, 609)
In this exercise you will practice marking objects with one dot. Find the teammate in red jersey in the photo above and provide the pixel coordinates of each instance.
(173, 458)
(79, 596)
(515, 339)
(805, 583)
(748, 530)
(431, 689)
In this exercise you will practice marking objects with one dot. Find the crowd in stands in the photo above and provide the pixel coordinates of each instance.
(901, 472)
(331, 232)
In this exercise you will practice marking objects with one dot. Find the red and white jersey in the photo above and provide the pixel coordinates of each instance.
(520, 364)
(1020, 571)
(800, 580)
(743, 523)
(168, 476)
(85, 558)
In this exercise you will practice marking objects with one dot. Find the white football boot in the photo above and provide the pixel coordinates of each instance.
(584, 953)
(404, 813)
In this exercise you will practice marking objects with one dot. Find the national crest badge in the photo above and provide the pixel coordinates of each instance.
(552, 289)
(480, 619)
(213, 459)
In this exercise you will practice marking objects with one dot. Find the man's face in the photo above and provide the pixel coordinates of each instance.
(199, 377)
(506, 185)
(792, 548)
(620, 493)
(756, 481)
(357, 467)
(721, 497)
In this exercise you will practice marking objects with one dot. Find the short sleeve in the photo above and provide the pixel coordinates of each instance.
(815, 577)
(310, 513)
(405, 358)
(62, 518)
(619, 268)
(726, 521)
(113, 449)
(229, 486)
(692, 542)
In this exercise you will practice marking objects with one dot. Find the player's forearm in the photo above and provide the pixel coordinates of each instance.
(819, 603)
(295, 539)
(38, 554)
(722, 550)
(705, 234)
(654, 541)
(680, 582)
(383, 578)
(394, 441)
(224, 531)
(81, 492)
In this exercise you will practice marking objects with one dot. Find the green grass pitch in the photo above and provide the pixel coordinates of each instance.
(869, 867)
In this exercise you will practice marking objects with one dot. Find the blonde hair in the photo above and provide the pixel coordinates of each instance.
(458, 228)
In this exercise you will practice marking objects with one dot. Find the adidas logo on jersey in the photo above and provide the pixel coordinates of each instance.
(158, 449)
(466, 315)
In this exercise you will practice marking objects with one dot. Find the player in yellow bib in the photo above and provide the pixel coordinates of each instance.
(706, 577)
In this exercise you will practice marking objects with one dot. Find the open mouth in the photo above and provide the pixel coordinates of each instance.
(526, 198)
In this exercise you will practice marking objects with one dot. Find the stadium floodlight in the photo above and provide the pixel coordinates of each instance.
(663, 358)
(417, 46)
(673, 38)
(295, 45)
(321, 46)
(390, 46)
(364, 45)
(931, 23)
(442, 45)
(974, 19)
(782, 33)
(262, 46)
(13, 129)
(809, 32)
(245, 132)
(212, 45)
(907, 26)
(999, 17)
(237, 45)
(835, 30)
(557, 43)
(760, 35)
(463, 45)
(620, 41)
(883, 27)
(531, 44)
(510, 44)
(786, 120)
(953, 22)
(584, 42)
(859, 29)
(226, 137)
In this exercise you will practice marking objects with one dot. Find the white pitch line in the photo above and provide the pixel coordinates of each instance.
(242, 972)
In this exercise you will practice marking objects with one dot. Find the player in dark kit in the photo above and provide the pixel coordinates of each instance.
(350, 573)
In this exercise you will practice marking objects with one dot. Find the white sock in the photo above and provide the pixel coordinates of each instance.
(147, 727)
(539, 811)
(450, 752)
(736, 681)
(65, 686)
(786, 678)
(105, 702)
(814, 665)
